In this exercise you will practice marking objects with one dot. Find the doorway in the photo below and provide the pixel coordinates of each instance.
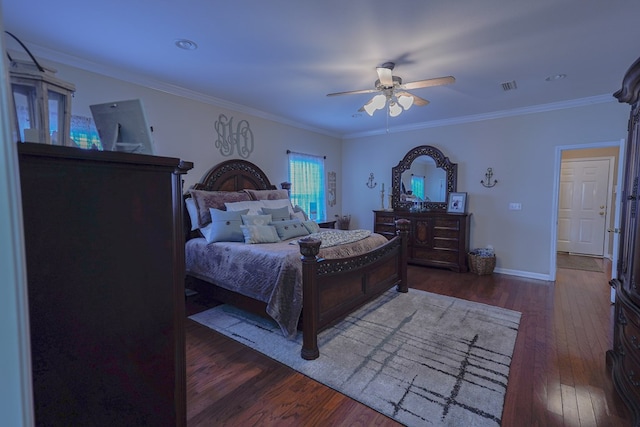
(613, 149)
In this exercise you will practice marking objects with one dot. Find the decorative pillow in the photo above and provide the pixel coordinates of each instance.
(224, 226)
(290, 228)
(256, 219)
(272, 204)
(267, 194)
(299, 216)
(193, 212)
(260, 234)
(278, 214)
(205, 200)
(311, 226)
(298, 209)
(253, 206)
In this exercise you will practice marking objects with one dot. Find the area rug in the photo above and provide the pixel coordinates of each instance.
(577, 262)
(419, 358)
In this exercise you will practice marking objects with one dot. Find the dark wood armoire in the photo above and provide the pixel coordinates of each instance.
(624, 357)
(104, 249)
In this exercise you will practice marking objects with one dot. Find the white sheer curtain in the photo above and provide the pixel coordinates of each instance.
(306, 174)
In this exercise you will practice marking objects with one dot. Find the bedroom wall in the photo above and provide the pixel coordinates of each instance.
(520, 149)
(184, 128)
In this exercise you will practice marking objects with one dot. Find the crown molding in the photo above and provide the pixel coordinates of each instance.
(581, 102)
(117, 73)
(129, 77)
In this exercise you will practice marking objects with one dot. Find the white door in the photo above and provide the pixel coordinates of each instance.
(583, 210)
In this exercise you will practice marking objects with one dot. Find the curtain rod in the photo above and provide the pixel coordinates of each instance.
(304, 154)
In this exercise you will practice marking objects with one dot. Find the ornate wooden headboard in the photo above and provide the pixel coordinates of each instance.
(234, 175)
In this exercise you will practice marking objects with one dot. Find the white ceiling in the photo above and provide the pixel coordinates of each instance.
(279, 58)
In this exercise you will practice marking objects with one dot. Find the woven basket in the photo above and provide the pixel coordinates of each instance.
(481, 265)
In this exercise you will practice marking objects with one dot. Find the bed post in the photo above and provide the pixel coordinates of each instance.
(402, 230)
(309, 248)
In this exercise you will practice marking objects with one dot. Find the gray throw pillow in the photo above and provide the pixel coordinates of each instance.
(290, 228)
(260, 234)
(224, 226)
(277, 214)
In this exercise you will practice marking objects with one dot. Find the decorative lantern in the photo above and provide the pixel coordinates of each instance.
(42, 102)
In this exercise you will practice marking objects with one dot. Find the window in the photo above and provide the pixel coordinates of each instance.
(306, 173)
(417, 186)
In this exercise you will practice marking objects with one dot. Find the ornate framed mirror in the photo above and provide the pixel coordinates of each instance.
(430, 173)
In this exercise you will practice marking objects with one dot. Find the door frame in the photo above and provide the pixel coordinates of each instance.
(556, 194)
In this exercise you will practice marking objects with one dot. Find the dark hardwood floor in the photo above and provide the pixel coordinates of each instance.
(558, 374)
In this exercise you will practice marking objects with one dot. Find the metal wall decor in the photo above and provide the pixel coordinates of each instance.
(370, 182)
(331, 181)
(229, 138)
(488, 177)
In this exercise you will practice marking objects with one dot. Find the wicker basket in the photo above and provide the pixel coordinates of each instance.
(481, 265)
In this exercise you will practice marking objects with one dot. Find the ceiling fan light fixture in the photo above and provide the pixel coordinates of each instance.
(376, 103)
(405, 101)
(394, 109)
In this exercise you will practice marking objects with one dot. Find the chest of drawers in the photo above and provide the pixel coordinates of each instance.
(436, 239)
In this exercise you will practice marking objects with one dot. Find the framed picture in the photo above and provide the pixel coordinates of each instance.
(457, 203)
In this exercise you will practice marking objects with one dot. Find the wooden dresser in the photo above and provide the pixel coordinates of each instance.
(436, 239)
(624, 357)
(105, 265)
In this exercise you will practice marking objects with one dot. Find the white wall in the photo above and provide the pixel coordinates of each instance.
(184, 128)
(520, 150)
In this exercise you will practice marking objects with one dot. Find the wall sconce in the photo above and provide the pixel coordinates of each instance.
(42, 103)
(370, 182)
(488, 177)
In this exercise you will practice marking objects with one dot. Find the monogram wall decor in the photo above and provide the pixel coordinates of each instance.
(229, 138)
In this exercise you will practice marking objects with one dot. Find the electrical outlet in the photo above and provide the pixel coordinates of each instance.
(515, 206)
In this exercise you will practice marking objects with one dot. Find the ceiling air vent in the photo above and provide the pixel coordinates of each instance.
(506, 86)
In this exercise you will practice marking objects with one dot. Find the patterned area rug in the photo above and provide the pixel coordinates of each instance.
(577, 262)
(420, 358)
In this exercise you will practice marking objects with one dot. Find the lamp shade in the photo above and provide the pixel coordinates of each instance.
(405, 101)
(376, 103)
(394, 109)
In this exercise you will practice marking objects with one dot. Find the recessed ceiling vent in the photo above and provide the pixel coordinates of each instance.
(507, 86)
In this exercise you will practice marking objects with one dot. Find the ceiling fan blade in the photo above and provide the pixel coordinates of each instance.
(385, 75)
(420, 102)
(352, 92)
(438, 81)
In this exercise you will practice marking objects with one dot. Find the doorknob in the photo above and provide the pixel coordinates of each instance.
(601, 213)
(602, 207)
(613, 230)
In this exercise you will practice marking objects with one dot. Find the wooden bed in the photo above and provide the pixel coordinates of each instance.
(331, 288)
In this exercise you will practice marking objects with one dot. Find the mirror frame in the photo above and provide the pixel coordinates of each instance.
(443, 162)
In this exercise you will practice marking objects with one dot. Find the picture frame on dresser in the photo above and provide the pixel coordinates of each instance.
(457, 203)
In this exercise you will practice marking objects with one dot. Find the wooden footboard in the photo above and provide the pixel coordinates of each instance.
(333, 288)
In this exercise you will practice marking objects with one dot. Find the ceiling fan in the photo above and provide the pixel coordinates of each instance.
(394, 92)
